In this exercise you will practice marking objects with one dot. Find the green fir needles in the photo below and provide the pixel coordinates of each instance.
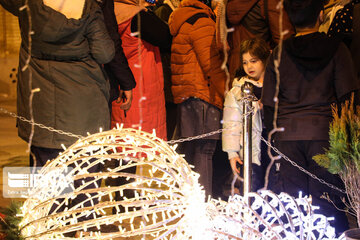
(343, 155)
(9, 224)
(344, 136)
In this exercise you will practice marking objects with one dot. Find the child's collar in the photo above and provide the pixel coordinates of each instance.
(241, 81)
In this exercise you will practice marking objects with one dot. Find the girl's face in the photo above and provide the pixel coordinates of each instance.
(253, 66)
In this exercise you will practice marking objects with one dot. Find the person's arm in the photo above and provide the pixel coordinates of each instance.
(100, 44)
(153, 30)
(268, 118)
(232, 133)
(12, 6)
(268, 93)
(207, 53)
(118, 68)
(257, 129)
(346, 82)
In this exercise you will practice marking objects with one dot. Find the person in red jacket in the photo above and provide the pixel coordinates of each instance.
(148, 107)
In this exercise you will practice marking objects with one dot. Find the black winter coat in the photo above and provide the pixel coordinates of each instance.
(65, 65)
(118, 69)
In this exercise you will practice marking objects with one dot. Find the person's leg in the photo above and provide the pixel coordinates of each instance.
(196, 117)
(221, 172)
(171, 111)
(257, 177)
(203, 155)
(39, 156)
(317, 190)
(82, 200)
(199, 153)
(119, 181)
(264, 162)
(284, 176)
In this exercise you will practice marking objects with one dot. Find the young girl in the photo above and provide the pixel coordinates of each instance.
(254, 53)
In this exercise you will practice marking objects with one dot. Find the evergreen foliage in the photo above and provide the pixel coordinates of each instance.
(344, 150)
(9, 225)
(343, 155)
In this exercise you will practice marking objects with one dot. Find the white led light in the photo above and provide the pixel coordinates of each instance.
(168, 203)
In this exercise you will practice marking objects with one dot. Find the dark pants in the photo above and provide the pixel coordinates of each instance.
(82, 198)
(287, 178)
(196, 117)
(119, 181)
(39, 156)
(171, 111)
(221, 173)
(199, 153)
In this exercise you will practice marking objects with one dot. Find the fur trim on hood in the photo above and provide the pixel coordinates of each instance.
(126, 9)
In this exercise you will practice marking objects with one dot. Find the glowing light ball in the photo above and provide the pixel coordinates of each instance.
(166, 195)
(270, 216)
(166, 200)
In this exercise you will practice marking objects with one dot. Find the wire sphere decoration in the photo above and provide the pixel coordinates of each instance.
(165, 202)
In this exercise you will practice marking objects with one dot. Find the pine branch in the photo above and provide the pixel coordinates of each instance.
(9, 225)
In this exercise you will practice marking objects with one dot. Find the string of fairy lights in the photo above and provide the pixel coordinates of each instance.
(164, 202)
(26, 8)
(190, 139)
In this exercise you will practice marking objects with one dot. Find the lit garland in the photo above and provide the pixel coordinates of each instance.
(168, 202)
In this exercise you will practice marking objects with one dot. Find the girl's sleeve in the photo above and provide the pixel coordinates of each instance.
(256, 134)
(101, 45)
(232, 133)
(12, 6)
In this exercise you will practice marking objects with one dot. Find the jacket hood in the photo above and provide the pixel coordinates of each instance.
(126, 9)
(312, 51)
(187, 9)
(53, 26)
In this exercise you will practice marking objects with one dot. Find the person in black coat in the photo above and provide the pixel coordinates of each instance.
(118, 69)
(68, 46)
(315, 72)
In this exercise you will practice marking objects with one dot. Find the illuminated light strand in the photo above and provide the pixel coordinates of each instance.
(119, 127)
(173, 205)
(276, 95)
(26, 8)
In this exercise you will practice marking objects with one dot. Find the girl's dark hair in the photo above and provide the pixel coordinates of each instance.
(257, 47)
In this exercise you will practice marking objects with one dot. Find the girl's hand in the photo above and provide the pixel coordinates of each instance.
(233, 162)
